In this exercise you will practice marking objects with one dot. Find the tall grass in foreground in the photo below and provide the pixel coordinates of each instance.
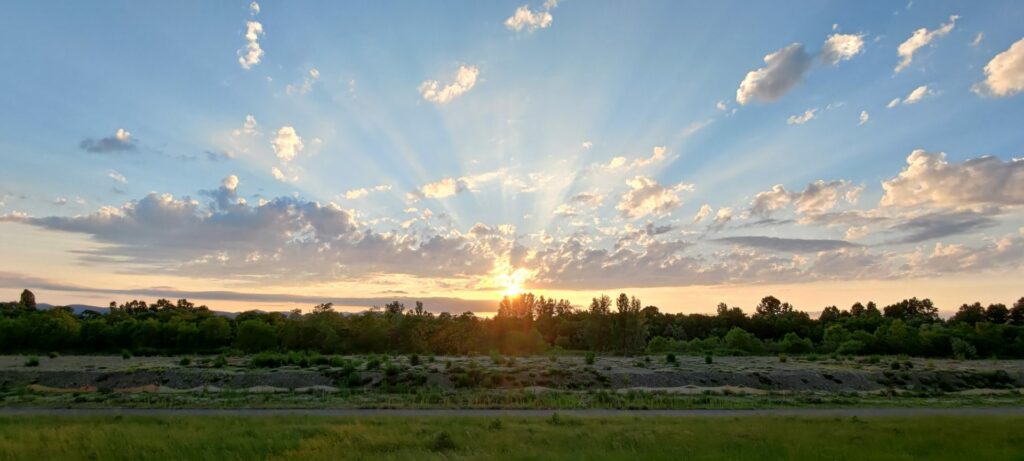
(419, 438)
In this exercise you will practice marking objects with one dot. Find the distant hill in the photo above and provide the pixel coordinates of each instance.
(79, 308)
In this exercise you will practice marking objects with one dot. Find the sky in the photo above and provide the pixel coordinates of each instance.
(275, 155)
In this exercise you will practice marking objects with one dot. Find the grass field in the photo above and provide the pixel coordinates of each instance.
(560, 437)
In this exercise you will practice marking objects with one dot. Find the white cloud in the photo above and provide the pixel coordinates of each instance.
(249, 127)
(252, 53)
(287, 144)
(914, 97)
(721, 105)
(1004, 74)
(784, 69)
(977, 39)
(363, 192)
(694, 127)
(465, 80)
(841, 47)
(523, 18)
(278, 174)
(254, 8)
(928, 179)
(443, 188)
(818, 197)
(765, 203)
(919, 39)
(658, 155)
(230, 182)
(647, 197)
(807, 116)
(121, 141)
(703, 212)
(307, 83)
(586, 145)
(723, 216)
(864, 117)
(857, 232)
(117, 177)
(917, 95)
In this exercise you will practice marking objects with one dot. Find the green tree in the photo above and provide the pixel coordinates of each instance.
(28, 299)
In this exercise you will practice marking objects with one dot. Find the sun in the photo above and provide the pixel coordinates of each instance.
(512, 288)
(513, 281)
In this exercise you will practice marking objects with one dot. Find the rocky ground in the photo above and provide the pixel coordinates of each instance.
(114, 374)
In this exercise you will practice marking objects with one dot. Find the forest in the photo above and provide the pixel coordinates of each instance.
(525, 324)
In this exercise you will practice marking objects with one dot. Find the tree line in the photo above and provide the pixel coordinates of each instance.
(524, 324)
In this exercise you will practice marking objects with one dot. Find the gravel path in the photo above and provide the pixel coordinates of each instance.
(343, 412)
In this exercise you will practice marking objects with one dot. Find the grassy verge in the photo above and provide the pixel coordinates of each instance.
(560, 437)
(504, 399)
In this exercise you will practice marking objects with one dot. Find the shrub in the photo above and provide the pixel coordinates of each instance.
(185, 361)
(126, 354)
(589, 358)
(32, 361)
(494, 425)
(414, 359)
(373, 363)
(708, 360)
(442, 441)
(783, 358)
(496, 358)
(53, 354)
(220, 361)
(850, 347)
(963, 349)
(268, 360)
(670, 358)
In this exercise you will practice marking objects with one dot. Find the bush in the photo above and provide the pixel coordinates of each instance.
(850, 347)
(496, 358)
(740, 339)
(53, 354)
(32, 361)
(185, 361)
(783, 358)
(373, 363)
(268, 360)
(442, 441)
(589, 358)
(963, 349)
(708, 360)
(414, 359)
(126, 354)
(670, 358)
(220, 361)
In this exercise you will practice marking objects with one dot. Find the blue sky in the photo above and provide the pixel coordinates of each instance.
(572, 159)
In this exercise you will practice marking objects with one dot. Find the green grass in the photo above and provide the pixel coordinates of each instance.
(424, 438)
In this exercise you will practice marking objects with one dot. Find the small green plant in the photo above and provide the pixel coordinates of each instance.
(53, 354)
(589, 358)
(185, 361)
(414, 359)
(496, 358)
(32, 361)
(670, 358)
(220, 361)
(373, 363)
(708, 360)
(126, 354)
(442, 441)
(783, 358)
(494, 425)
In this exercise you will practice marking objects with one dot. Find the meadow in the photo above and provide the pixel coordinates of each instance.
(550, 438)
